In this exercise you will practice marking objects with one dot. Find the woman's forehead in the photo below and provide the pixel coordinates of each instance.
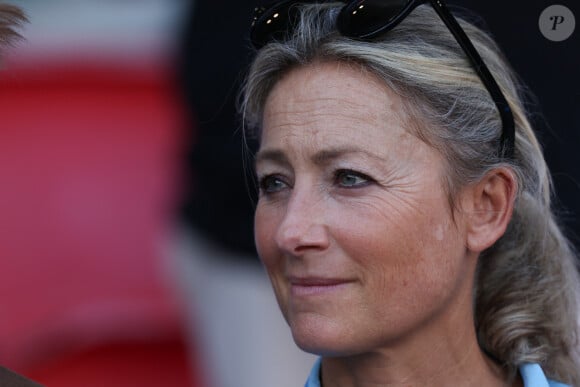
(320, 81)
(335, 105)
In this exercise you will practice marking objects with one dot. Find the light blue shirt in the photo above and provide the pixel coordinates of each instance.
(532, 375)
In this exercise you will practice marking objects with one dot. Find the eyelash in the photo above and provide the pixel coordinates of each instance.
(265, 181)
(340, 173)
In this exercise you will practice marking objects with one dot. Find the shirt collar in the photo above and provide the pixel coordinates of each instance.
(532, 374)
(314, 377)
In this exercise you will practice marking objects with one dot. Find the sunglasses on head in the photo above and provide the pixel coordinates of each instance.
(367, 19)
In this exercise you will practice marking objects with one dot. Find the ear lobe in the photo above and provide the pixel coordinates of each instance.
(489, 208)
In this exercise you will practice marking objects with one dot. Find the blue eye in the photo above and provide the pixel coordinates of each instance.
(271, 184)
(350, 179)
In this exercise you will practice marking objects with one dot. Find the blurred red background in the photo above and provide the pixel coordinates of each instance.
(89, 174)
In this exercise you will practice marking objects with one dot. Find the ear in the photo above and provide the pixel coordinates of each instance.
(488, 206)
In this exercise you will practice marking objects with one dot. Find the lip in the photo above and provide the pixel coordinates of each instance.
(311, 286)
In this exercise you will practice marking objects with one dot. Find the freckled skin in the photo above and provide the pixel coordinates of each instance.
(410, 274)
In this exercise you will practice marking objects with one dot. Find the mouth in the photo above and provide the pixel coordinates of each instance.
(312, 286)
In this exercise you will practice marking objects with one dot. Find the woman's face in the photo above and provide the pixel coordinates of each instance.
(353, 224)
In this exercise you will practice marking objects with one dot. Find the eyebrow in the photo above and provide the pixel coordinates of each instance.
(274, 155)
(321, 157)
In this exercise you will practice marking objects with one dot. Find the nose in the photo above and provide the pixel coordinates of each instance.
(303, 228)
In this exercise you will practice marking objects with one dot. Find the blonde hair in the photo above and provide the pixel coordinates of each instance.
(527, 284)
(11, 17)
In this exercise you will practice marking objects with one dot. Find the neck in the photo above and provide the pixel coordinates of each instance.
(432, 368)
(443, 354)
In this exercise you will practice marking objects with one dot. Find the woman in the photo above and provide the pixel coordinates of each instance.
(404, 215)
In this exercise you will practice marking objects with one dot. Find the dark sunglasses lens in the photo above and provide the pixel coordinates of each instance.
(272, 23)
(367, 18)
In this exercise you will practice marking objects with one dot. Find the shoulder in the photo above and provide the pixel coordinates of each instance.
(534, 376)
(11, 379)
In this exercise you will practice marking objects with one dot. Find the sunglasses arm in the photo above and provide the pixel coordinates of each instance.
(505, 112)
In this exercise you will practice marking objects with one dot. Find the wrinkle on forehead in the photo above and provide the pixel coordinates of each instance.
(310, 99)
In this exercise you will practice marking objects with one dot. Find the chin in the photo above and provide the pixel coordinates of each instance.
(323, 338)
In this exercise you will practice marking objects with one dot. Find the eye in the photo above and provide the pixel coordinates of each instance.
(271, 184)
(346, 178)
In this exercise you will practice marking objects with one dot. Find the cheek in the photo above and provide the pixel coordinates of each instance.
(265, 224)
(397, 252)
